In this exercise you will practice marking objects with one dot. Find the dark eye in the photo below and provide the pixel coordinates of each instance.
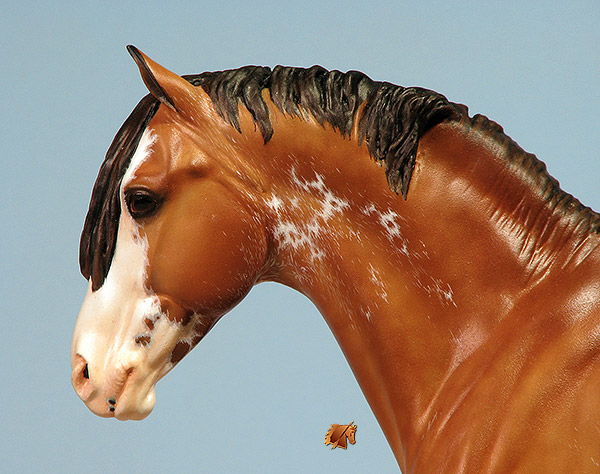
(141, 203)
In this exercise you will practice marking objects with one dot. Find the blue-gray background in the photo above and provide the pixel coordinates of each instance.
(258, 394)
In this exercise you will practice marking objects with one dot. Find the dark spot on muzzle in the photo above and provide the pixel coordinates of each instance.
(142, 339)
(181, 349)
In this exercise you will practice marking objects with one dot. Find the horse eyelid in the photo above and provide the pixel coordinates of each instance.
(141, 202)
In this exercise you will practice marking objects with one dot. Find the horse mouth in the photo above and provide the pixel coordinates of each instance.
(121, 395)
(132, 404)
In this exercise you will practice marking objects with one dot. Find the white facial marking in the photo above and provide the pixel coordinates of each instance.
(111, 315)
(142, 153)
(121, 328)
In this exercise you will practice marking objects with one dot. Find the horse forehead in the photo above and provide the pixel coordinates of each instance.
(172, 150)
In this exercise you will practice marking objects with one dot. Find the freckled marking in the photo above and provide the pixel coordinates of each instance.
(179, 317)
(368, 210)
(306, 235)
(389, 222)
(149, 323)
(392, 228)
(143, 339)
(181, 349)
(309, 235)
(378, 282)
(275, 203)
(331, 205)
(435, 287)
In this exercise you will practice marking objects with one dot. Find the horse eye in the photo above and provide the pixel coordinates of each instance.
(141, 203)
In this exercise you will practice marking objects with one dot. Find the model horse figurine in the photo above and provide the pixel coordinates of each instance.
(461, 283)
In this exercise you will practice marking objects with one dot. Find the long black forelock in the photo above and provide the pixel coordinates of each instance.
(391, 123)
(99, 236)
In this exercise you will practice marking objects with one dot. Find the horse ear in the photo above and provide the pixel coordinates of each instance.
(169, 88)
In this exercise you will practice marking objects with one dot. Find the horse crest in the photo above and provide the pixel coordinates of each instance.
(480, 276)
(339, 435)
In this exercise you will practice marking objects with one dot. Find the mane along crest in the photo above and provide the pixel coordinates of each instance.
(391, 123)
(534, 171)
(393, 119)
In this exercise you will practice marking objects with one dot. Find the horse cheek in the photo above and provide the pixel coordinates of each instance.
(208, 261)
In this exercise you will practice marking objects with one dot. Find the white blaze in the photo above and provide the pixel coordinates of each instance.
(111, 316)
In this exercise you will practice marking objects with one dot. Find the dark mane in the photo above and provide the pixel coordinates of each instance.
(391, 123)
(534, 172)
(99, 235)
(393, 119)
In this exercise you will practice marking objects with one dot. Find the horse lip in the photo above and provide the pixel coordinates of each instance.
(128, 404)
(129, 407)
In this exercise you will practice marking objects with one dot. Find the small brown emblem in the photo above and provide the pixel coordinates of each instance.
(339, 435)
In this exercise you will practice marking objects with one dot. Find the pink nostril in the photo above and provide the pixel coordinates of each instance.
(80, 377)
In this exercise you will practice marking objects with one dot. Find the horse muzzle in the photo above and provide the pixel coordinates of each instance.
(118, 356)
(122, 393)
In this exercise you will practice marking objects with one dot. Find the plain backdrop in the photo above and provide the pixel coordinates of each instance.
(258, 394)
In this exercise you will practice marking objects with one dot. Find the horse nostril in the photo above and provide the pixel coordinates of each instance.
(80, 377)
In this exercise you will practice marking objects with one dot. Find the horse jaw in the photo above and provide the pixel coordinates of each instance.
(126, 338)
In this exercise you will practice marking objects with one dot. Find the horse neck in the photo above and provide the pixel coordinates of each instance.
(411, 289)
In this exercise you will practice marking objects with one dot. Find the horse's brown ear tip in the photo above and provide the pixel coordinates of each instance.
(135, 53)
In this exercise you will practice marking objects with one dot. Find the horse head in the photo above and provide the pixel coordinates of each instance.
(467, 307)
(187, 247)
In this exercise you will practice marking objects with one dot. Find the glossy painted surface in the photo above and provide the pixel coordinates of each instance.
(468, 312)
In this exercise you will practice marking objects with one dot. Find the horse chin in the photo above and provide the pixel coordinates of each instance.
(125, 408)
(132, 407)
